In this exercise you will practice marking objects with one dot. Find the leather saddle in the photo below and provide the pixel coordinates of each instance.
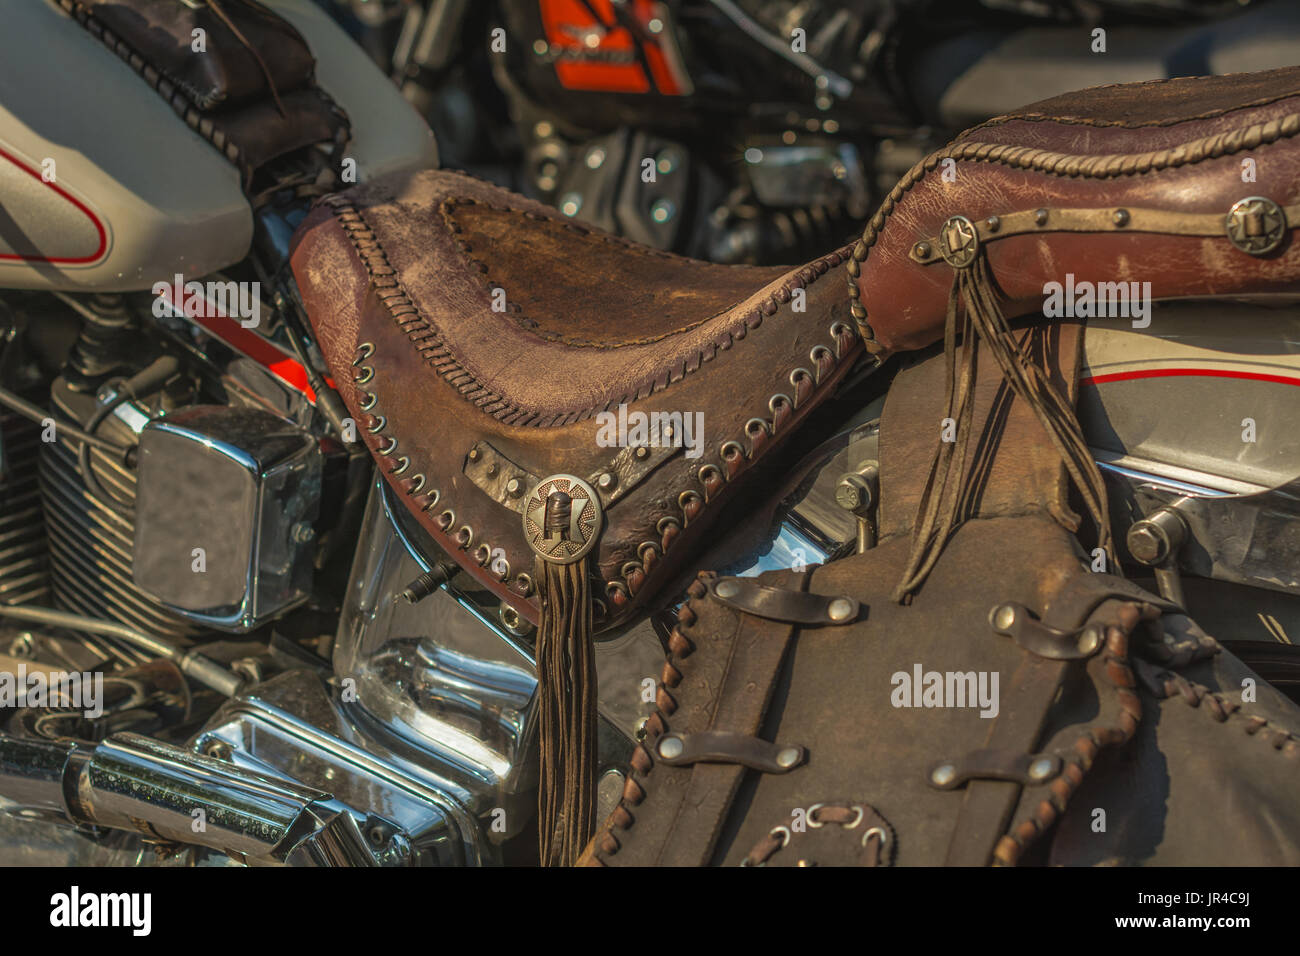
(485, 343)
(544, 396)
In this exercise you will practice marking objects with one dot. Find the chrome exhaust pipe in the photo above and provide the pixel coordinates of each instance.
(131, 782)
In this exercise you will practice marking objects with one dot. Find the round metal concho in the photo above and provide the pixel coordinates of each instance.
(584, 521)
(959, 242)
(1256, 225)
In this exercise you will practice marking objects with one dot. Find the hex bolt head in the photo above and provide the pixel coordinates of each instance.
(1154, 539)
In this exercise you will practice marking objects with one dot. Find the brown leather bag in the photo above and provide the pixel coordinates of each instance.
(1106, 727)
(1018, 708)
(251, 92)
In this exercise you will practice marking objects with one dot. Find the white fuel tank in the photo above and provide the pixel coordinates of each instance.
(103, 187)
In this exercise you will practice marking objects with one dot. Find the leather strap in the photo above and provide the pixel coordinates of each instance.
(715, 746)
(987, 807)
(780, 604)
(757, 652)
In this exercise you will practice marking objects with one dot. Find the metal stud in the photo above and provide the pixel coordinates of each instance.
(1041, 769)
(1003, 617)
(1256, 225)
(727, 588)
(840, 609)
(671, 747)
(1121, 217)
(1040, 217)
(943, 775)
(788, 757)
(1090, 639)
(959, 241)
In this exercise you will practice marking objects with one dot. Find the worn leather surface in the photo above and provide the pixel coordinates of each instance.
(227, 73)
(223, 93)
(1134, 725)
(411, 265)
(1173, 145)
(1013, 468)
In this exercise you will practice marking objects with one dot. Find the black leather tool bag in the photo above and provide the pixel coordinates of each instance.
(240, 75)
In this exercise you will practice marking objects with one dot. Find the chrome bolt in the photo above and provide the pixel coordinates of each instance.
(24, 645)
(514, 487)
(663, 211)
(667, 160)
(1153, 540)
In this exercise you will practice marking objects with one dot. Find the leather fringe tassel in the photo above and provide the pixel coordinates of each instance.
(975, 313)
(566, 689)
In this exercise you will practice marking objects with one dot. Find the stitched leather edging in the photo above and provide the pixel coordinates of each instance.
(422, 330)
(1108, 166)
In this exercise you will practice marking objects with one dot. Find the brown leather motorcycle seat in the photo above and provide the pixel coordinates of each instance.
(461, 318)
(1190, 184)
